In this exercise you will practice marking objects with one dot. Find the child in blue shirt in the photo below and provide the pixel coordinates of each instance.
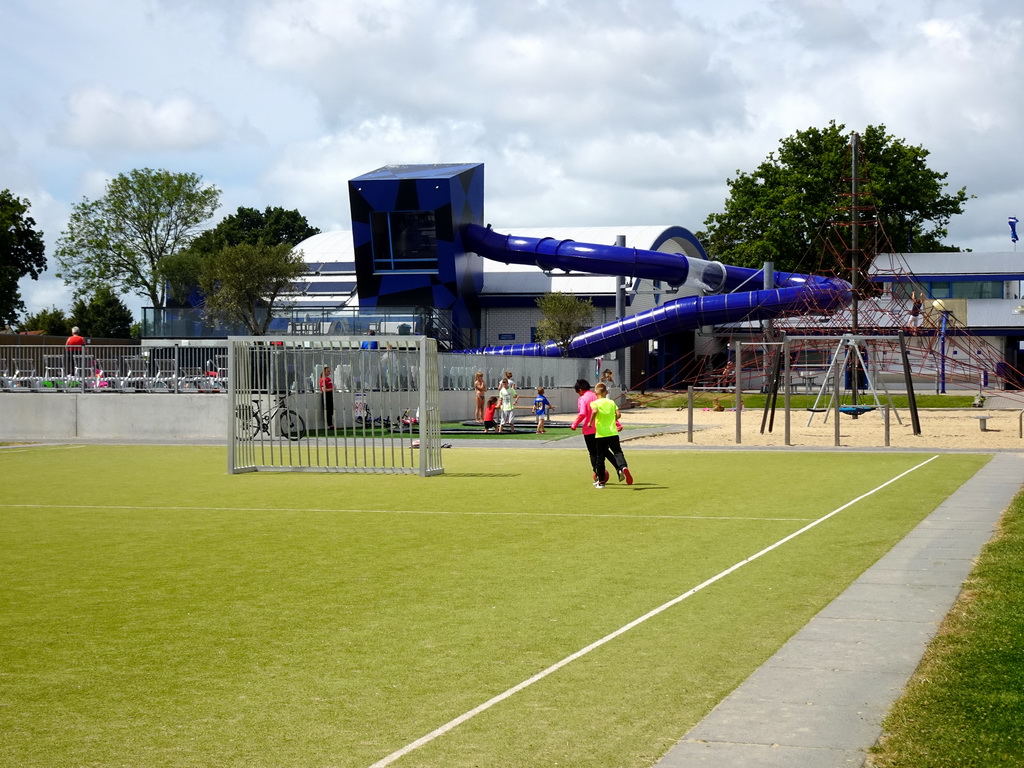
(541, 406)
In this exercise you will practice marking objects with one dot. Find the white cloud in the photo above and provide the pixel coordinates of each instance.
(584, 111)
(313, 175)
(99, 118)
(549, 68)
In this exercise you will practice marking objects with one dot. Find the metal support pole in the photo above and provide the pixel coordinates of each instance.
(620, 314)
(942, 353)
(854, 232)
(789, 386)
(177, 368)
(836, 383)
(737, 370)
(689, 414)
(915, 418)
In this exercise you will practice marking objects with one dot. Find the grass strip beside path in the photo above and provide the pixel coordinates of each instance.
(964, 707)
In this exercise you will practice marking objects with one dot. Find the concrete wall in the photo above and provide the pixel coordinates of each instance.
(57, 416)
(181, 417)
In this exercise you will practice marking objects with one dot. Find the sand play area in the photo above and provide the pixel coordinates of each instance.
(941, 429)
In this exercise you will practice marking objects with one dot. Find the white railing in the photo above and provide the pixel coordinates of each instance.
(99, 368)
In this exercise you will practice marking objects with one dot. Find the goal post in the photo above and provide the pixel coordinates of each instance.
(334, 404)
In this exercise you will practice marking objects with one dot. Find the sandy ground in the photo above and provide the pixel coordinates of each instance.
(941, 429)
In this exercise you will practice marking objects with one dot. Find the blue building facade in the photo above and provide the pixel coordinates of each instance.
(407, 225)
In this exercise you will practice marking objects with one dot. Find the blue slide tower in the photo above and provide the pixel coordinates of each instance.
(407, 225)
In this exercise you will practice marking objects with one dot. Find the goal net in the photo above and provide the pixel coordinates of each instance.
(337, 404)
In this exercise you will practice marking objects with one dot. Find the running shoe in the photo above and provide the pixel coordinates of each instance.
(629, 477)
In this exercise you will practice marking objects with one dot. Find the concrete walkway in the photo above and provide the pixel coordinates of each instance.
(819, 702)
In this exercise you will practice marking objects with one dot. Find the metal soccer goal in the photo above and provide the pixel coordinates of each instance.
(334, 404)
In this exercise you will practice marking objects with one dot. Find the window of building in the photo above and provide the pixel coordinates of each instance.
(404, 241)
(983, 289)
(974, 289)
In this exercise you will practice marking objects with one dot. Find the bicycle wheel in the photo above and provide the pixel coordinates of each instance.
(291, 425)
(248, 424)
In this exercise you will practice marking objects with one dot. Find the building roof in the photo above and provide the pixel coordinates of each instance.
(334, 246)
(956, 266)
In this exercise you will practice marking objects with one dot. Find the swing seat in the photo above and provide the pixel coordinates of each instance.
(818, 410)
(856, 410)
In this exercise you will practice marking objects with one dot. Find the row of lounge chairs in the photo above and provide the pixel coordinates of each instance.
(76, 373)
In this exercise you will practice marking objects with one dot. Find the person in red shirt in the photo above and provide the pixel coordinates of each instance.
(489, 415)
(74, 347)
(75, 342)
(327, 388)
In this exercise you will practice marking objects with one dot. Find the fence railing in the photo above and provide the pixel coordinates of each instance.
(99, 368)
(112, 368)
(194, 323)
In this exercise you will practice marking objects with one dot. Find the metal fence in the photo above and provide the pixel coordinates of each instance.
(178, 368)
(112, 368)
(386, 419)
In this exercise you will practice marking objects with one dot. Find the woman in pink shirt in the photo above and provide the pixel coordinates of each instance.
(586, 418)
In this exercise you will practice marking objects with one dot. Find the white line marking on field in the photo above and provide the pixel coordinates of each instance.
(36, 448)
(451, 724)
(407, 512)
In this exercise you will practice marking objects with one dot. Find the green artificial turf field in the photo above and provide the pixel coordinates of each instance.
(159, 612)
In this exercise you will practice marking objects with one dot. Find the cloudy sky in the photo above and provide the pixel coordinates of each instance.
(584, 112)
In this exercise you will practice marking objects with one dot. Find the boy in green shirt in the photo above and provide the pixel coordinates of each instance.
(606, 414)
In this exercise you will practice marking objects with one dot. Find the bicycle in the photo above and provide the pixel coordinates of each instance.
(254, 420)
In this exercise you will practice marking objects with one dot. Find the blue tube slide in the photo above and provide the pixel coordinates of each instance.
(729, 296)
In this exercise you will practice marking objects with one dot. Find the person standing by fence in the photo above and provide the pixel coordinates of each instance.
(480, 387)
(74, 347)
(508, 397)
(75, 343)
(608, 379)
(327, 391)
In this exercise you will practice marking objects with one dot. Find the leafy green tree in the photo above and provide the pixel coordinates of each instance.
(52, 322)
(104, 316)
(779, 211)
(274, 226)
(243, 283)
(121, 239)
(22, 253)
(563, 316)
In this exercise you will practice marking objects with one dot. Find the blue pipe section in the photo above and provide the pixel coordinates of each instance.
(727, 303)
